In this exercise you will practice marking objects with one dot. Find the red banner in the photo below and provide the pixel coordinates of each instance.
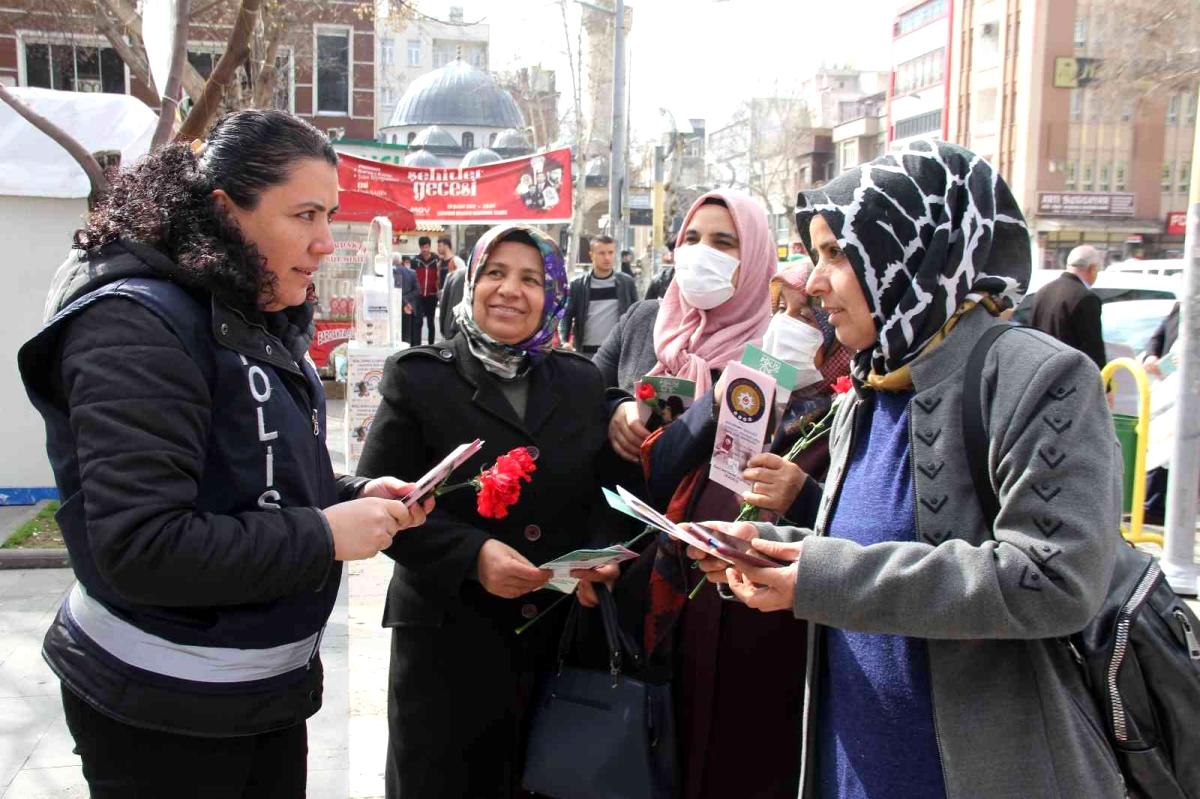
(534, 189)
(329, 335)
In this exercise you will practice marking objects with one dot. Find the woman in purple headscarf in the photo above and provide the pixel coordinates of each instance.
(460, 677)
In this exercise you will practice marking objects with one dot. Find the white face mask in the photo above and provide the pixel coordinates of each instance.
(704, 275)
(795, 343)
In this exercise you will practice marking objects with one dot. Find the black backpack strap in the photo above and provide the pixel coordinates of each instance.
(975, 436)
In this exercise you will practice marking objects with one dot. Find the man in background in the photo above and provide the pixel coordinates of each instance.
(427, 266)
(596, 300)
(1069, 310)
(658, 284)
(405, 279)
(450, 261)
(627, 262)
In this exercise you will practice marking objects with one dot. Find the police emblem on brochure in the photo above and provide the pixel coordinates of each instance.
(741, 425)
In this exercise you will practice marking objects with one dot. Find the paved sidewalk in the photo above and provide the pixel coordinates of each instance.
(36, 761)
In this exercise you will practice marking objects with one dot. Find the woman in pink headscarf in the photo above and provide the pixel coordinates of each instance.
(718, 303)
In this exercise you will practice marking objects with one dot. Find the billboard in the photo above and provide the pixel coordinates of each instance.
(1085, 203)
(533, 189)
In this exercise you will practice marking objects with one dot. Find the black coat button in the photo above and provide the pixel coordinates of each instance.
(445, 355)
(224, 329)
(528, 610)
(534, 452)
(268, 349)
(313, 696)
(533, 533)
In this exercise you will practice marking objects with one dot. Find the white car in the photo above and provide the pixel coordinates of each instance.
(1169, 267)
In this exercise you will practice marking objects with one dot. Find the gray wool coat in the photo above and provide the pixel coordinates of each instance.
(1011, 713)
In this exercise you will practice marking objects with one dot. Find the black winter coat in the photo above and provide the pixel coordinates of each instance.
(460, 677)
(1070, 311)
(188, 447)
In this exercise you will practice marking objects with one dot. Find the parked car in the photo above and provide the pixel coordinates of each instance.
(1166, 266)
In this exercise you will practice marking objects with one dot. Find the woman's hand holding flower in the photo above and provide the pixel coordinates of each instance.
(774, 482)
(505, 572)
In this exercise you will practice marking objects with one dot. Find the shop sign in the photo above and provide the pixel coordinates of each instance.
(1085, 203)
(534, 189)
(329, 334)
(1071, 73)
(1177, 223)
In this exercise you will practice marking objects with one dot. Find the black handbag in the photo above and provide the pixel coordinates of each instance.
(601, 734)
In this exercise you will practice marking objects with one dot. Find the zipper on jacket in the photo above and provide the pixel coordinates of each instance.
(912, 480)
(1189, 635)
(1121, 646)
(316, 423)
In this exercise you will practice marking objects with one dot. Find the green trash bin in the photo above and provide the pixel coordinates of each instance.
(1126, 427)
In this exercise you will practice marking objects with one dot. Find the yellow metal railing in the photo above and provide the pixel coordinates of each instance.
(1134, 533)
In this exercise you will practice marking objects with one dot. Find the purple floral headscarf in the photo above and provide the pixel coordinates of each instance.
(510, 360)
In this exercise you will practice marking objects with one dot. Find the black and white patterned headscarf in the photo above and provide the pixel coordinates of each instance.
(925, 229)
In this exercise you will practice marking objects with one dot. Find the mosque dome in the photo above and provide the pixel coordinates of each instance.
(422, 158)
(433, 136)
(457, 94)
(512, 140)
(480, 157)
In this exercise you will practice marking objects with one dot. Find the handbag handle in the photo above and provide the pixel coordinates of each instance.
(617, 640)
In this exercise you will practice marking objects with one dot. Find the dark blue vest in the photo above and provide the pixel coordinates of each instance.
(266, 450)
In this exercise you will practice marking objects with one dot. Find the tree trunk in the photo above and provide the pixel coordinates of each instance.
(169, 99)
(127, 16)
(223, 73)
(65, 140)
(268, 77)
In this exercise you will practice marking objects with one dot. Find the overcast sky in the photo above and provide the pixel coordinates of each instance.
(697, 58)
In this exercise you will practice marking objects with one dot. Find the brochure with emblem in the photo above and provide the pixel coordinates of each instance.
(438, 474)
(741, 424)
(583, 559)
(662, 399)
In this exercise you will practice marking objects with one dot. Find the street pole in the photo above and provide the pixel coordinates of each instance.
(616, 177)
(1179, 543)
(656, 241)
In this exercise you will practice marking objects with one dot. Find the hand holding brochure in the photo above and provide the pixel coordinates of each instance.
(704, 538)
(438, 474)
(583, 559)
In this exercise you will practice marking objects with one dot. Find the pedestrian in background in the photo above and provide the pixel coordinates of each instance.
(452, 294)
(449, 261)
(405, 279)
(658, 284)
(1069, 310)
(186, 429)
(627, 262)
(461, 680)
(428, 268)
(597, 299)
(936, 656)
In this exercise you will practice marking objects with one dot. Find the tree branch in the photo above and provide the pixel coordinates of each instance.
(90, 166)
(169, 99)
(127, 16)
(223, 73)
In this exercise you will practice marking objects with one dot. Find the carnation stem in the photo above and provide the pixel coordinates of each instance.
(536, 618)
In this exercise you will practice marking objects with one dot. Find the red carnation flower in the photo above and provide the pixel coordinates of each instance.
(498, 488)
(644, 392)
(842, 384)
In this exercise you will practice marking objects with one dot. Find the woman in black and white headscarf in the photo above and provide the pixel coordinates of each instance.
(934, 653)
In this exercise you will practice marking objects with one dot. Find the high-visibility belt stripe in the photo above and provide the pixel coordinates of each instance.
(212, 664)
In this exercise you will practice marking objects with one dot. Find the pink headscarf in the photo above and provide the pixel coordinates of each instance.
(690, 342)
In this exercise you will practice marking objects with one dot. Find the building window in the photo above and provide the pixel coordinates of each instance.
(1173, 110)
(333, 71)
(468, 141)
(922, 123)
(1080, 31)
(478, 57)
(1165, 185)
(412, 136)
(74, 68)
(1191, 108)
(385, 95)
(918, 17)
(922, 71)
(848, 154)
(443, 55)
(1076, 105)
(1185, 176)
(1069, 175)
(492, 139)
(387, 51)
(1126, 110)
(1088, 173)
(1104, 172)
(1119, 180)
(414, 52)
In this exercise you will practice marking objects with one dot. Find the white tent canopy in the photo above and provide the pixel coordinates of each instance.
(34, 165)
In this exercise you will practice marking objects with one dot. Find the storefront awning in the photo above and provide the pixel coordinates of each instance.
(1074, 224)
